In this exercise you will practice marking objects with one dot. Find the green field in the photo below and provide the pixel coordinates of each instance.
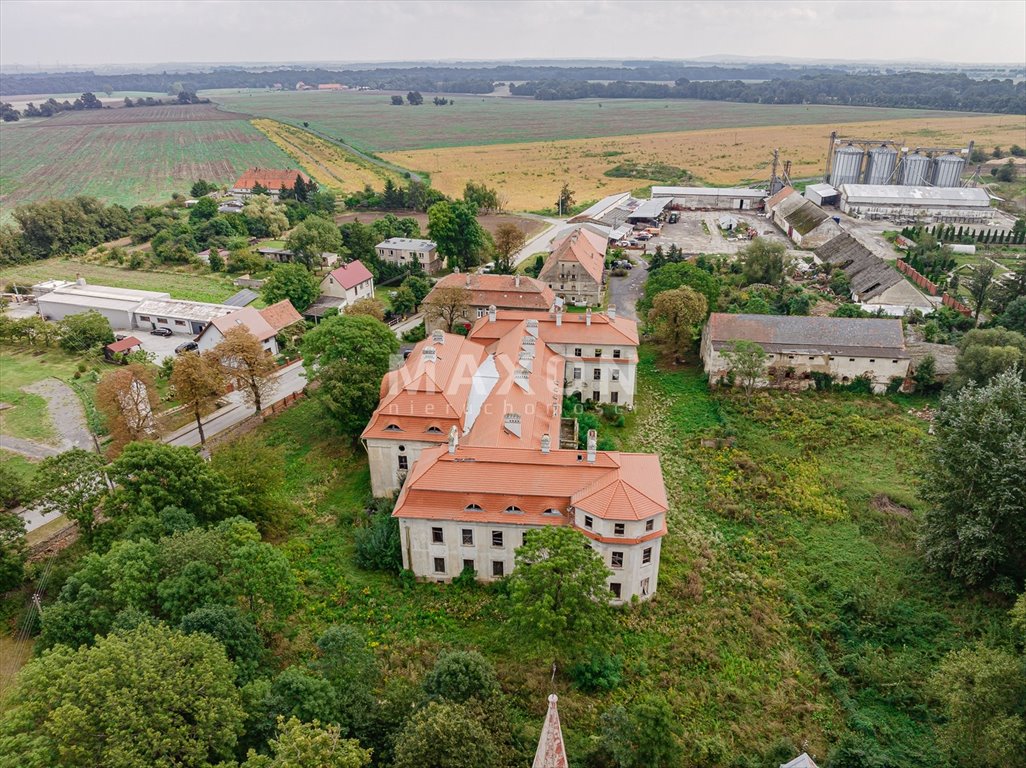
(125, 162)
(28, 417)
(792, 608)
(181, 285)
(369, 122)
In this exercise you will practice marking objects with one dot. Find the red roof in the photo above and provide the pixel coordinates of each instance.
(582, 246)
(124, 345)
(271, 178)
(281, 315)
(351, 275)
(503, 291)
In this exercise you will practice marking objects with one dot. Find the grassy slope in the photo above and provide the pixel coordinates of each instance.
(370, 122)
(787, 606)
(181, 285)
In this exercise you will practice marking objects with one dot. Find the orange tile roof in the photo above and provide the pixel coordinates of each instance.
(579, 246)
(502, 291)
(773, 200)
(281, 315)
(247, 318)
(271, 178)
(442, 485)
(573, 329)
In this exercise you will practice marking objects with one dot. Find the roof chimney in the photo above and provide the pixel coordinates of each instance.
(491, 313)
(546, 443)
(592, 445)
(516, 280)
(522, 378)
(559, 318)
(438, 336)
(587, 316)
(511, 421)
(429, 355)
(454, 439)
(532, 327)
(611, 312)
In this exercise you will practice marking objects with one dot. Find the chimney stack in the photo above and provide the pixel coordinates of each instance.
(546, 443)
(592, 445)
(438, 336)
(454, 439)
(587, 316)
(611, 312)
(491, 313)
(516, 280)
(430, 355)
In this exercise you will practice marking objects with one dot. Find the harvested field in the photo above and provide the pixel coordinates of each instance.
(531, 174)
(329, 165)
(164, 114)
(489, 221)
(127, 163)
(369, 122)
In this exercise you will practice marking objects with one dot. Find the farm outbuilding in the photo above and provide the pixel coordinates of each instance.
(115, 304)
(822, 194)
(808, 225)
(949, 204)
(733, 198)
(186, 317)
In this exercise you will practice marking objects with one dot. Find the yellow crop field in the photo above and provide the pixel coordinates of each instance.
(329, 165)
(530, 175)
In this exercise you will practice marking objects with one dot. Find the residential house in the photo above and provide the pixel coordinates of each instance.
(573, 270)
(406, 250)
(599, 350)
(808, 225)
(875, 284)
(350, 282)
(504, 292)
(272, 179)
(265, 324)
(796, 347)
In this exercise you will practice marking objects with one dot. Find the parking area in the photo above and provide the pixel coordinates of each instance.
(699, 232)
(160, 347)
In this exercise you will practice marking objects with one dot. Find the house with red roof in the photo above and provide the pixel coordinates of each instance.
(350, 282)
(265, 324)
(271, 179)
(573, 270)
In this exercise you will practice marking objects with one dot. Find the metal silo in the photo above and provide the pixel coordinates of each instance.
(846, 167)
(915, 170)
(947, 170)
(880, 165)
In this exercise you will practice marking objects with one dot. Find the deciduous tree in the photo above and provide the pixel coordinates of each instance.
(461, 675)
(565, 201)
(255, 473)
(246, 363)
(975, 484)
(12, 549)
(645, 735)
(264, 217)
(746, 360)
(367, 306)
(85, 331)
(985, 352)
(404, 302)
(310, 745)
(673, 317)
(444, 735)
(311, 238)
(126, 397)
(419, 286)
(350, 392)
(73, 484)
(455, 228)
(762, 261)
(293, 282)
(356, 339)
(981, 283)
(448, 303)
(198, 381)
(558, 591)
(509, 239)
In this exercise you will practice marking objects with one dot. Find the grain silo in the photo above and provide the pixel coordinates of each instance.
(881, 164)
(915, 170)
(847, 165)
(947, 170)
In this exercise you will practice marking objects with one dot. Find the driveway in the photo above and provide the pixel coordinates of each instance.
(66, 413)
(624, 292)
(160, 347)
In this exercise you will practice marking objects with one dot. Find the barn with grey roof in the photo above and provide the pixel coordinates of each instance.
(875, 284)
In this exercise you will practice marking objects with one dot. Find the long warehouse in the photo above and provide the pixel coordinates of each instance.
(950, 204)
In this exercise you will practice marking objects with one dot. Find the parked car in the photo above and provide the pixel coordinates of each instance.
(674, 218)
(622, 243)
(633, 243)
(161, 332)
(644, 236)
(188, 346)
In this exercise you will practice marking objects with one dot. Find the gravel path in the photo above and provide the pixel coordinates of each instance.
(66, 413)
(29, 448)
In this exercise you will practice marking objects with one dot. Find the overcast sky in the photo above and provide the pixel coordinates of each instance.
(81, 32)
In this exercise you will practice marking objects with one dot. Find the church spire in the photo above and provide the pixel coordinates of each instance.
(551, 752)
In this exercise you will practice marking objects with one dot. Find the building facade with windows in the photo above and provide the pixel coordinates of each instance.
(350, 282)
(574, 268)
(406, 250)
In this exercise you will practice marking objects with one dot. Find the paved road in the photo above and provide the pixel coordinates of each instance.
(29, 448)
(291, 379)
(624, 292)
(539, 242)
(408, 324)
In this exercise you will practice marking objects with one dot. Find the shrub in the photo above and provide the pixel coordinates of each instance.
(600, 673)
(378, 545)
(461, 675)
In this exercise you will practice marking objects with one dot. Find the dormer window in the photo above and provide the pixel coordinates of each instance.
(393, 428)
(434, 430)
(473, 508)
(514, 510)
(552, 511)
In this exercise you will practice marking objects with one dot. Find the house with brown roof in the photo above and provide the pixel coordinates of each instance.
(796, 347)
(573, 270)
(271, 179)
(350, 282)
(265, 324)
(504, 292)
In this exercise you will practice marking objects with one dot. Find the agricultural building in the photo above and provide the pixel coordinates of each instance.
(272, 179)
(611, 211)
(875, 284)
(186, 317)
(405, 250)
(822, 194)
(115, 304)
(502, 292)
(350, 282)
(466, 428)
(648, 212)
(264, 324)
(947, 204)
(796, 347)
(573, 270)
(734, 198)
(808, 225)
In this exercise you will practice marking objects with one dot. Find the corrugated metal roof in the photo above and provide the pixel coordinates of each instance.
(823, 190)
(650, 209)
(897, 195)
(242, 298)
(755, 194)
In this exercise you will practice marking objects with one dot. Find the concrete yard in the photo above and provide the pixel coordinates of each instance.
(689, 235)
